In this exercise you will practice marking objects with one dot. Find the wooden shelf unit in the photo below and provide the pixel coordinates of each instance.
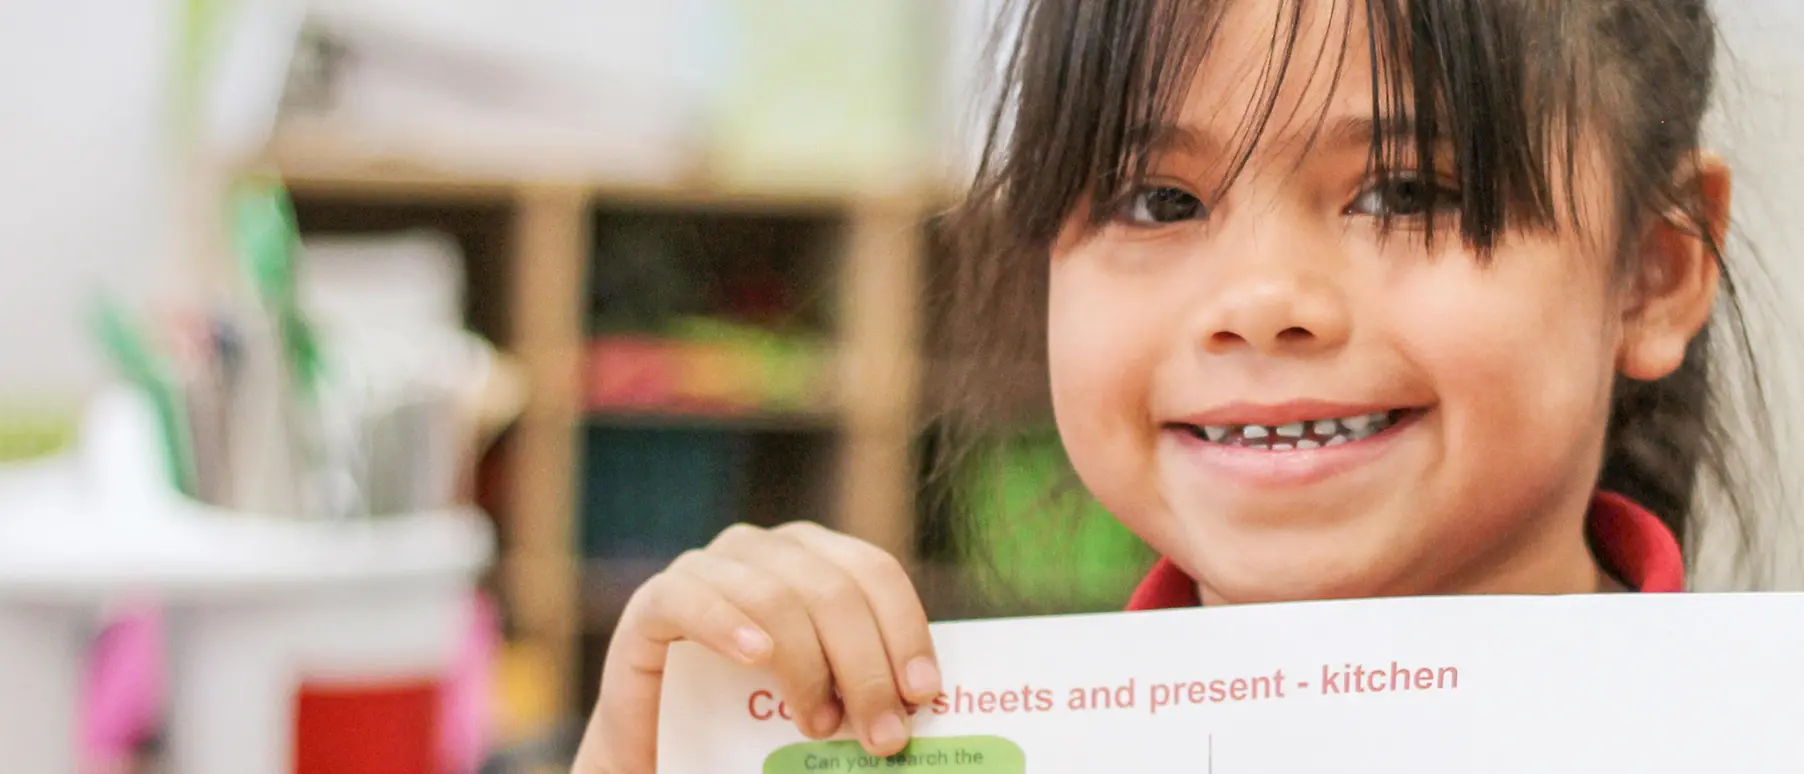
(534, 291)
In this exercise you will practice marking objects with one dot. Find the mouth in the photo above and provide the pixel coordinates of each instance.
(1322, 433)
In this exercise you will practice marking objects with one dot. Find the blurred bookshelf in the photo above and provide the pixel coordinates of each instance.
(738, 342)
(784, 371)
(694, 356)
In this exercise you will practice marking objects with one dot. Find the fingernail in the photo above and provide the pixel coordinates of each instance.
(753, 644)
(923, 676)
(888, 733)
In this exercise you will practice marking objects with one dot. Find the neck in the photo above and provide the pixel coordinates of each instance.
(1549, 555)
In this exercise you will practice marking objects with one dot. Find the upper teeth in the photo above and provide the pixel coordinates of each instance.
(1301, 435)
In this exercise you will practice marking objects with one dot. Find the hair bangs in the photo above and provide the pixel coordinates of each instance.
(1485, 87)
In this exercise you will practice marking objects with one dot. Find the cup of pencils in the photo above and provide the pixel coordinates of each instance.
(262, 410)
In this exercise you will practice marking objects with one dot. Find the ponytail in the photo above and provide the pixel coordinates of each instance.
(1659, 438)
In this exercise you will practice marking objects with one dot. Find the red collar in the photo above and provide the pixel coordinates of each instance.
(1633, 541)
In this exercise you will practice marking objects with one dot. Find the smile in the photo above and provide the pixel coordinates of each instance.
(1311, 434)
(1289, 446)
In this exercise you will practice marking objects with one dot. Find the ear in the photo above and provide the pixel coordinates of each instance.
(1673, 289)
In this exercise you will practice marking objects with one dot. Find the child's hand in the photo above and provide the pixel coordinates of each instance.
(834, 619)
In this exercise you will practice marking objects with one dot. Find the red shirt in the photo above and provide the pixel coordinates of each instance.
(1633, 541)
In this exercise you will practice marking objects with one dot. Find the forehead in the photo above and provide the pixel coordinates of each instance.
(1282, 71)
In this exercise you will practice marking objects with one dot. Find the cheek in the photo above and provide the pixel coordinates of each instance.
(1521, 358)
(1102, 352)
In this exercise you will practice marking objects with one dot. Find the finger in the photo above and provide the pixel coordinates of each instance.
(897, 605)
(798, 660)
(848, 635)
(622, 733)
(684, 606)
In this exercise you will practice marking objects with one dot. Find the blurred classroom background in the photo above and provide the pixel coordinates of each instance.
(672, 265)
(608, 276)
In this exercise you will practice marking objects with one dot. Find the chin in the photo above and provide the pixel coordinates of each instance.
(1303, 586)
(1253, 570)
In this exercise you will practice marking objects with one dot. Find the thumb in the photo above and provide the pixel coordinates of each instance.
(622, 736)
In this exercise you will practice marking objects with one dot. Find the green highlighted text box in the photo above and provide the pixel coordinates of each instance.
(949, 755)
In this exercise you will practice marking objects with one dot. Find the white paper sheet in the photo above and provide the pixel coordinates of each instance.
(1649, 684)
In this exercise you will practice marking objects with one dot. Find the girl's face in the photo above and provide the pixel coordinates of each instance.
(1290, 405)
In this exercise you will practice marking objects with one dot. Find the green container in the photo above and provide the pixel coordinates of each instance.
(28, 434)
(1036, 535)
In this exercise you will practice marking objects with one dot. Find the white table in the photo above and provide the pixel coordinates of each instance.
(254, 604)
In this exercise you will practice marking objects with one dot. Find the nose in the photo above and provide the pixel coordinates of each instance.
(1275, 307)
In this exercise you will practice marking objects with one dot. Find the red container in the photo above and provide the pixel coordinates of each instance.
(631, 373)
(368, 729)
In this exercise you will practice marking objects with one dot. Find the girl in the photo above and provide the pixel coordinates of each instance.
(1335, 299)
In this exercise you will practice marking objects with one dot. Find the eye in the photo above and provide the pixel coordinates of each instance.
(1162, 205)
(1403, 196)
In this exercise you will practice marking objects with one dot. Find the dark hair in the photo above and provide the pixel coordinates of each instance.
(1509, 85)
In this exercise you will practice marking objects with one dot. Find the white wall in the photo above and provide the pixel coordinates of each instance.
(1759, 128)
(81, 201)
